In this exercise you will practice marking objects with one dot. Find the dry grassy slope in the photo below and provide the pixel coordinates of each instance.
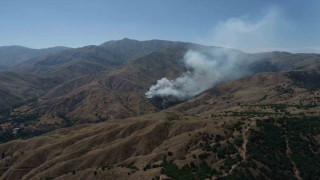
(120, 93)
(58, 67)
(132, 49)
(144, 140)
(72, 63)
(16, 88)
(115, 94)
(284, 61)
(90, 59)
(264, 88)
(13, 55)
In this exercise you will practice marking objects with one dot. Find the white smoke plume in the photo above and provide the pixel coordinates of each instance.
(206, 69)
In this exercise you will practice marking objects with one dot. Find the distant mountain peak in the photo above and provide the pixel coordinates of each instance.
(127, 39)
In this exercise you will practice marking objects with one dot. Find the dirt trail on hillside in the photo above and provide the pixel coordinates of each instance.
(295, 169)
(243, 149)
(245, 135)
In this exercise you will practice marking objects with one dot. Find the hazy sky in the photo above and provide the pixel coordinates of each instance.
(249, 25)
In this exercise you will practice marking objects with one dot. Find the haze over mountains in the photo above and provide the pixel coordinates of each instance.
(230, 100)
(13, 55)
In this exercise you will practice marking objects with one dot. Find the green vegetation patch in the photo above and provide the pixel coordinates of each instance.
(238, 141)
(307, 80)
(187, 172)
(226, 151)
(305, 150)
(268, 146)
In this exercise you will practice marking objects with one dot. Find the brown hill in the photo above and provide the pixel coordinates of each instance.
(75, 63)
(219, 133)
(115, 94)
(248, 128)
(16, 88)
(284, 61)
(72, 63)
(120, 93)
(13, 55)
(131, 49)
(91, 59)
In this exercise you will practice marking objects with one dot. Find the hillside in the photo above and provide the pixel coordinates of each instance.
(79, 76)
(284, 61)
(71, 63)
(91, 59)
(67, 66)
(120, 93)
(13, 55)
(160, 90)
(131, 49)
(17, 88)
(265, 125)
(109, 95)
(83, 114)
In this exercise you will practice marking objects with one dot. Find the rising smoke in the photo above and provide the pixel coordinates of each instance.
(206, 69)
(211, 67)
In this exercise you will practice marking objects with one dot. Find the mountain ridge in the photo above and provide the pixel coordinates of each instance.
(89, 98)
(86, 116)
(13, 55)
(176, 141)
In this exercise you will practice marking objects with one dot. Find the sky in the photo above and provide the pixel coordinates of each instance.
(248, 25)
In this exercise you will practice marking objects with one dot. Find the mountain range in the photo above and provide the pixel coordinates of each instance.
(82, 114)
